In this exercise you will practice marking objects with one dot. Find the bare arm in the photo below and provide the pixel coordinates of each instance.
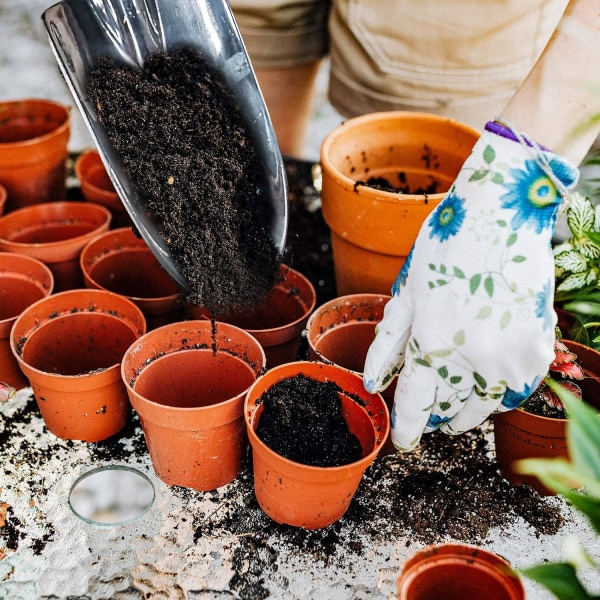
(558, 105)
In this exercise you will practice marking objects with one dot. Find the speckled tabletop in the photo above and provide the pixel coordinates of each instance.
(183, 546)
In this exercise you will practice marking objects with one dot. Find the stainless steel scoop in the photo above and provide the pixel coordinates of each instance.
(81, 31)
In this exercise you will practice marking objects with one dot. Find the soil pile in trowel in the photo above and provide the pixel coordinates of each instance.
(192, 162)
(302, 421)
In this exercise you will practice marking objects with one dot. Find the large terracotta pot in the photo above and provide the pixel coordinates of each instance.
(519, 434)
(187, 381)
(55, 233)
(97, 187)
(23, 281)
(309, 496)
(340, 332)
(34, 134)
(121, 262)
(458, 572)
(70, 346)
(372, 231)
(279, 321)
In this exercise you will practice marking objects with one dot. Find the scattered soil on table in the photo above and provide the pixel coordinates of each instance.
(302, 421)
(192, 162)
(448, 488)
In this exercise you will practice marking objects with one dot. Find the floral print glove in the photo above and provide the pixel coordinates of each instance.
(470, 325)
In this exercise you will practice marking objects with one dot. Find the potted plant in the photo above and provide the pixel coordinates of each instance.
(577, 263)
(538, 427)
(577, 478)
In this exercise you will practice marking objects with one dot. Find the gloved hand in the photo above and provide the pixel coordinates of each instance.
(471, 319)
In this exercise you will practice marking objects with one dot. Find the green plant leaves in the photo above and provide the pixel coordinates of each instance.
(560, 579)
(562, 476)
(580, 215)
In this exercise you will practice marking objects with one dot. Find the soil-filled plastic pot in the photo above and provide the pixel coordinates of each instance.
(34, 134)
(458, 572)
(23, 281)
(520, 434)
(340, 332)
(55, 233)
(303, 495)
(279, 321)
(97, 187)
(70, 346)
(122, 263)
(372, 231)
(187, 381)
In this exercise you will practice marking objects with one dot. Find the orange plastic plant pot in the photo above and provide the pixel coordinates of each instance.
(120, 262)
(34, 134)
(187, 381)
(303, 495)
(70, 346)
(55, 233)
(97, 187)
(341, 331)
(279, 321)
(519, 434)
(23, 281)
(372, 231)
(458, 572)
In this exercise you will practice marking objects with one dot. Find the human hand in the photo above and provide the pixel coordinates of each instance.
(471, 319)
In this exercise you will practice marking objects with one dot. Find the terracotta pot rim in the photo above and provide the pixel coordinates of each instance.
(202, 324)
(386, 117)
(89, 152)
(355, 298)
(460, 554)
(91, 209)
(364, 462)
(308, 307)
(91, 192)
(86, 263)
(60, 129)
(110, 312)
(41, 268)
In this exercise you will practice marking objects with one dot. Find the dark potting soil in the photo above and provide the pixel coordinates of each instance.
(193, 164)
(302, 421)
(384, 185)
(536, 405)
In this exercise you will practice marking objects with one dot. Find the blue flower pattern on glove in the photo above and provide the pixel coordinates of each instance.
(532, 196)
(447, 218)
(401, 277)
(543, 307)
(513, 399)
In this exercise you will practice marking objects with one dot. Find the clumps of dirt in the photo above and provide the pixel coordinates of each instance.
(193, 164)
(302, 421)
(448, 489)
(385, 185)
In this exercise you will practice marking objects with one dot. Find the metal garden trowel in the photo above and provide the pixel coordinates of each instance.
(128, 31)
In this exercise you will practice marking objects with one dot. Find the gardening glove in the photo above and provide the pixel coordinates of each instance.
(471, 319)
